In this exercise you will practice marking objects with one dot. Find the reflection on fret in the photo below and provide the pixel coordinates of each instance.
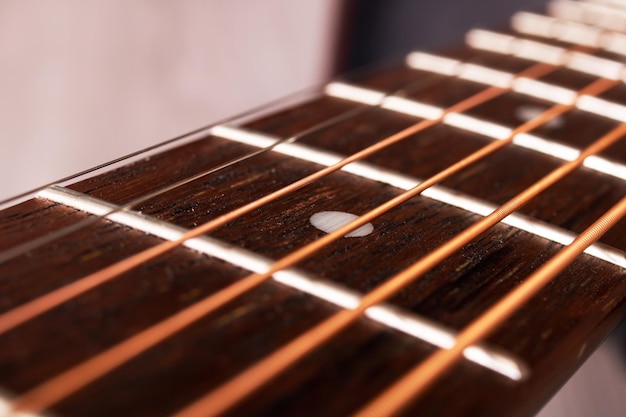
(6, 408)
(544, 91)
(488, 76)
(510, 45)
(405, 182)
(551, 28)
(602, 107)
(406, 322)
(505, 44)
(589, 13)
(537, 51)
(496, 131)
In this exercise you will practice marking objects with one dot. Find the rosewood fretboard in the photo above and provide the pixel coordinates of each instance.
(519, 366)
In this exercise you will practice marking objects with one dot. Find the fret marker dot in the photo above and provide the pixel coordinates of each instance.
(329, 221)
(528, 112)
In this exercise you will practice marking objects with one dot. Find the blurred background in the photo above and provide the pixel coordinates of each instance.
(85, 81)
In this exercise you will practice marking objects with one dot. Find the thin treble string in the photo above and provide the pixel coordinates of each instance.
(35, 307)
(32, 244)
(242, 385)
(413, 384)
(21, 249)
(82, 374)
(48, 238)
(249, 112)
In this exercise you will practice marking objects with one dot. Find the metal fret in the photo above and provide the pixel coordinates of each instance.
(411, 324)
(614, 4)
(405, 182)
(589, 13)
(576, 22)
(562, 30)
(542, 52)
(496, 78)
(565, 31)
(544, 91)
(6, 408)
(499, 132)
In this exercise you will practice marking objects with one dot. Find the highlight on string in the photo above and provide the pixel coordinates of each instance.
(213, 129)
(195, 134)
(247, 382)
(42, 304)
(239, 387)
(413, 385)
(49, 393)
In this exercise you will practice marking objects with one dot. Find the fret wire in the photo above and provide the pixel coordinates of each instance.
(549, 147)
(569, 32)
(594, 14)
(442, 194)
(414, 383)
(496, 131)
(50, 237)
(484, 75)
(147, 151)
(526, 86)
(541, 52)
(379, 99)
(332, 292)
(46, 395)
(44, 303)
(560, 30)
(244, 384)
(18, 250)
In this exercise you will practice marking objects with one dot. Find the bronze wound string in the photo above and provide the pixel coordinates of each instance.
(20, 249)
(54, 298)
(25, 247)
(148, 150)
(51, 237)
(84, 373)
(242, 385)
(413, 385)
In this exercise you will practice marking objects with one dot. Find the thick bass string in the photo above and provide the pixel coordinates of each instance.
(229, 393)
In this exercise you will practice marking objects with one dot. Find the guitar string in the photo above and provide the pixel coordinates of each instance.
(278, 102)
(247, 382)
(21, 249)
(246, 113)
(25, 247)
(414, 383)
(97, 366)
(33, 308)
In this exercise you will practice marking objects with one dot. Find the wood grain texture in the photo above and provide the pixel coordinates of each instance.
(552, 334)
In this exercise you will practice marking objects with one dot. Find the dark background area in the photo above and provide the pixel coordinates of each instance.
(385, 30)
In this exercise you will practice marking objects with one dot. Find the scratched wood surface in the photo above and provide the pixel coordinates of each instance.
(553, 334)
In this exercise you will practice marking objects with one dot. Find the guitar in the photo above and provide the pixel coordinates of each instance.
(95, 324)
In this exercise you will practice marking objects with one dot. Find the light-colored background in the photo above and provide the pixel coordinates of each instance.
(82, 82)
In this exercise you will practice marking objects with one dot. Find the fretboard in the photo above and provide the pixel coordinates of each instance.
(92, 324)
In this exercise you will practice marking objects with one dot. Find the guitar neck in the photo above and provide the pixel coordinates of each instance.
(141, 289)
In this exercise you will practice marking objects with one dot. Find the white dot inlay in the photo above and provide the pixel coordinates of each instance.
(453, 198)
(329, 221)
(408, 323)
